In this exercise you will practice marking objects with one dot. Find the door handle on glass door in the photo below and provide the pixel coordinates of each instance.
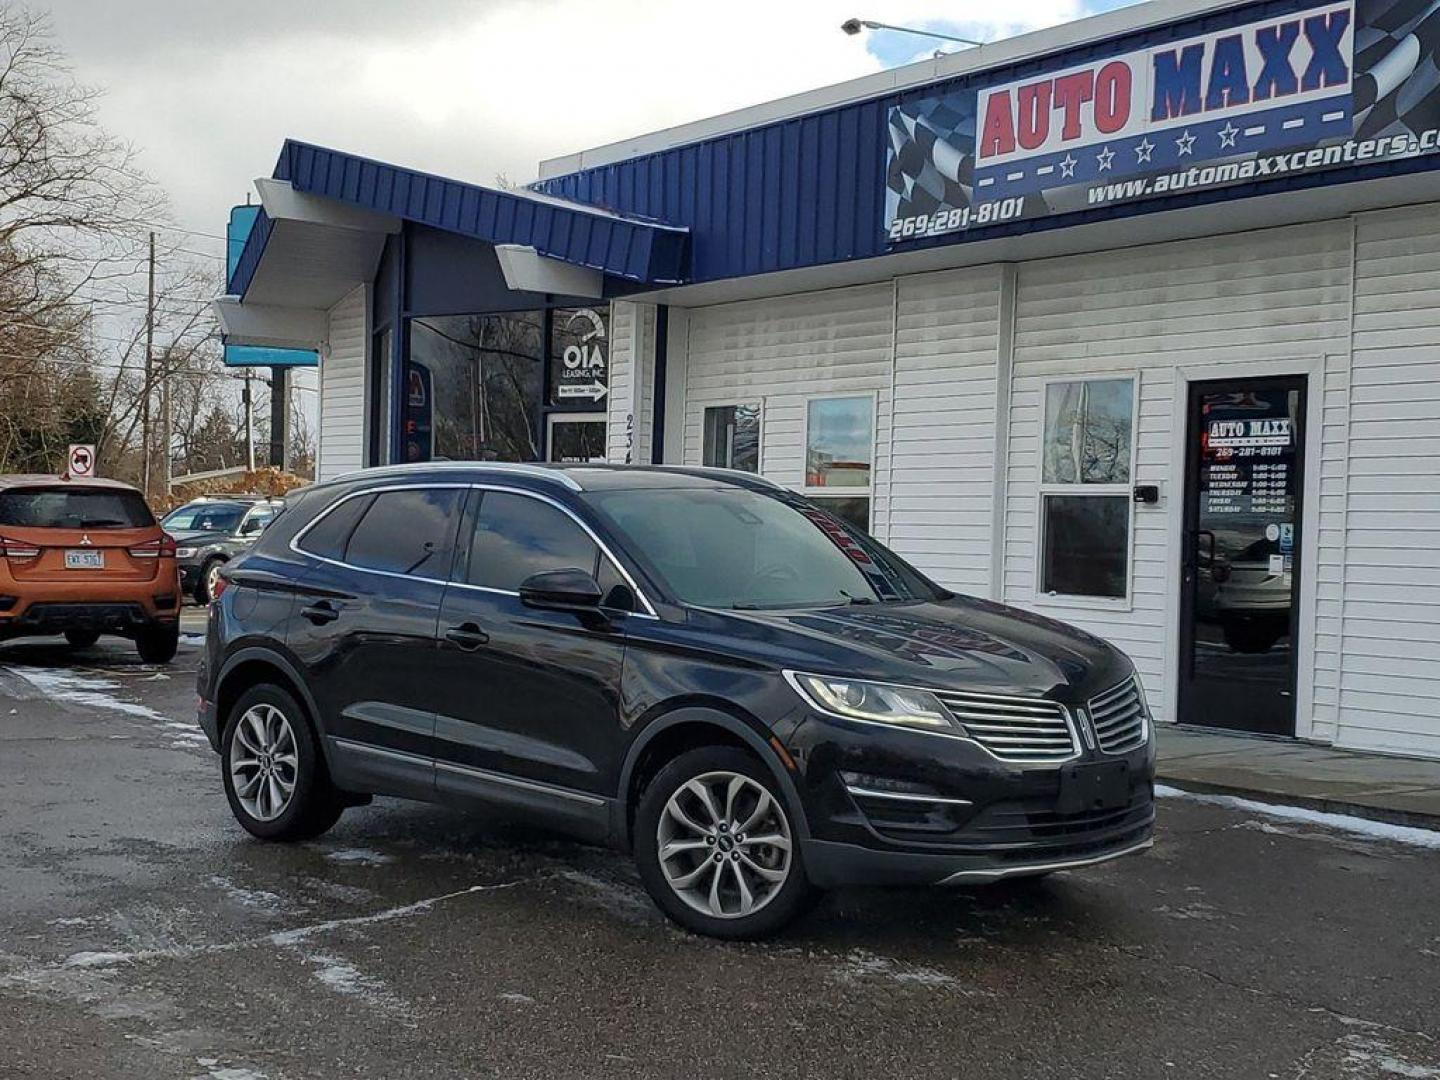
(467, 636)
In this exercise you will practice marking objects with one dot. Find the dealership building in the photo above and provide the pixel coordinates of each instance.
(1133, 323)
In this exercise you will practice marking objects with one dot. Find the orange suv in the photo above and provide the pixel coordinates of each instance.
(84, 558)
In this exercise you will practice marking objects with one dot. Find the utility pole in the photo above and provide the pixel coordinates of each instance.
(149, 375)
(249, 425)
(165, 371)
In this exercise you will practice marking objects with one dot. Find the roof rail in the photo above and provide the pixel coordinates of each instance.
(722, 474)
(540, 472)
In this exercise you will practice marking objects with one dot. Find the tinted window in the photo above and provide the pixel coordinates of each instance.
(406, 532)
(327, 537)
(516, 536)
(74, 508)
(204, 517)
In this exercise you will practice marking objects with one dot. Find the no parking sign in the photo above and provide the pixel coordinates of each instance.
(81, 461)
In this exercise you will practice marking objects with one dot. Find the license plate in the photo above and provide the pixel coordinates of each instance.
(1104, 786)
(84, 560)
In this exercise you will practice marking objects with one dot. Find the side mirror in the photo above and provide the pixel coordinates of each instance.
(561, 590)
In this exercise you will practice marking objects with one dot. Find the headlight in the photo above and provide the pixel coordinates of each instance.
(874, 702)
(185, 553)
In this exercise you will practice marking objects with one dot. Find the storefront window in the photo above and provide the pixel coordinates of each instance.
(1087, 447)
(839, 453)
(732, 437)
(472, 388)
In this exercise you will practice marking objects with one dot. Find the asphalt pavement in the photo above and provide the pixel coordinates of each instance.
(143, 934)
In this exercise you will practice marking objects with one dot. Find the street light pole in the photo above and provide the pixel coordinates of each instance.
(854, 26)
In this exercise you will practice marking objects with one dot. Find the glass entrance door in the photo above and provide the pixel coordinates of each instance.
(1243, 523)
(576, 438)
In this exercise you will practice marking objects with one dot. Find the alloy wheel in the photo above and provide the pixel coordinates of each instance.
(724, 845)
(264, 764)
(212, 579)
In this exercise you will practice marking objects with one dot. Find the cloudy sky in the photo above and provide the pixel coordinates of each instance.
(467, 88)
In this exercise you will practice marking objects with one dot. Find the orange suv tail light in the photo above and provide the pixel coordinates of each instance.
(15, 549)
(154, 549)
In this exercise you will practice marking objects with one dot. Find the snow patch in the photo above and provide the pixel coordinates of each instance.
(517, 999)
(613, 896)
(1377, 1057)
(236, 1074)
(1375, 830)
(86, 691)
(860, 964)
(253, 898)
(363, 856)
(97, 959)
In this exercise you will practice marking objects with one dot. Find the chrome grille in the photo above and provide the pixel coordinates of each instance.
(1013, 729)
(1118, 716)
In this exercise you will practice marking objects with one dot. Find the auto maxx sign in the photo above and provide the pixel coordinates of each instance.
(1323, 87)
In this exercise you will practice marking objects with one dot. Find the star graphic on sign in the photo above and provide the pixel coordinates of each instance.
(1067, 166)
(1227, 134)
(1106, 158)
(1186, 143)
(1143, 149)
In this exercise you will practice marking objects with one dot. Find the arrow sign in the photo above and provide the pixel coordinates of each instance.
(81, 460)
(594, 391)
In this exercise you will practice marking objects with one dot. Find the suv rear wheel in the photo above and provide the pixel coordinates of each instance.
(716, 847)
(158, 644)
(274, 779)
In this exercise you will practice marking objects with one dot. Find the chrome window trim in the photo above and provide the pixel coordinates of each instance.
(381, 751)
(648, 613)
(792, 677)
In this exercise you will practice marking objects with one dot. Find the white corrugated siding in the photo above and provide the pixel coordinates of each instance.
(624, 427)
(780, 352)
(342, 390)
(1278, 295)
(1389, 648)
(947, 341)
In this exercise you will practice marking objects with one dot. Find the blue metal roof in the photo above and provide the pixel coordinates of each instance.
(622, 245)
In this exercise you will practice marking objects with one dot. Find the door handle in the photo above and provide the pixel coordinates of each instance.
(321, 612)
(467, 636)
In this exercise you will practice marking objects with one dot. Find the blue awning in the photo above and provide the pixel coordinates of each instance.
(628, 247)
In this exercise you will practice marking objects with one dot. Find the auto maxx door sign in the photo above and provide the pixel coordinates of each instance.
(1323, 87)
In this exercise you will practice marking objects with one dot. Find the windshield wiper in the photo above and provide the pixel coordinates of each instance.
(99, 523)
(856, 599)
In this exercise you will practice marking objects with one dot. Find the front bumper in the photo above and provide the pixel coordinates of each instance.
(948, 812)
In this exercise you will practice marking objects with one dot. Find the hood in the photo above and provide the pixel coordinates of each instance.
(956, 644)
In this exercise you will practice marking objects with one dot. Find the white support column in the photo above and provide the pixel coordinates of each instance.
(1004, 367)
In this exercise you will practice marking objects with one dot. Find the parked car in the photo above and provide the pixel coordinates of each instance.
(753, 697)
(212, 530)
(84, 558)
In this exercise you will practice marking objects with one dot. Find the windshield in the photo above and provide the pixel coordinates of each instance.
(736, 548)
(204, 517)
(74, 508)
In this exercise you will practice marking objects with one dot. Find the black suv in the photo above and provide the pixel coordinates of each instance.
(696, 665)
(212, 530)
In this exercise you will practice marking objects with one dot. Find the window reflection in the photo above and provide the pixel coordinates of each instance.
(473, 387)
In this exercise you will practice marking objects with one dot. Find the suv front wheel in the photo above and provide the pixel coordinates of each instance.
(274, 779)
(716, 846)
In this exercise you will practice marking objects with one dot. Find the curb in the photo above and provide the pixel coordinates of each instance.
(1383, 814)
